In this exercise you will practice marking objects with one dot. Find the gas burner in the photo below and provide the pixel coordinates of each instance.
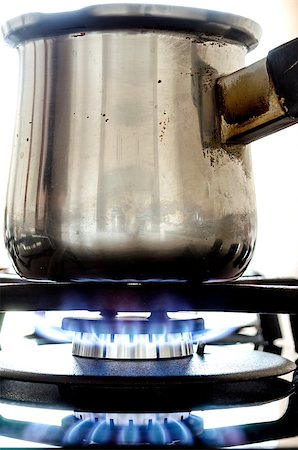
(128, 418)
(134, 337)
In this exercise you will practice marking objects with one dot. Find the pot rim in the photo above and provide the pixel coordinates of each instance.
(115, 16)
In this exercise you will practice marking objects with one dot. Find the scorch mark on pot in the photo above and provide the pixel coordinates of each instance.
(163, 125)
(104, 115)
(205, 40)
(78, 35)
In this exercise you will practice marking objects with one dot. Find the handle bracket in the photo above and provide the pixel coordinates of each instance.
(260, 99)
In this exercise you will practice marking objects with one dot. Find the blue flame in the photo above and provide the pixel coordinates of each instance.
(35, 432)
(224, 437)
(129, 434)
(195, 424)
(132, 429)
(179, 432)
(212, 335)
(103, 433)
(79, 433)
(54, 334)
(156, 433)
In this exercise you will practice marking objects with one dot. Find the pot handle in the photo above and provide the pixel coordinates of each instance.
(260, 99)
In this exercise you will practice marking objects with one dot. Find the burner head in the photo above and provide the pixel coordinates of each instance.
(127, 418)
(137, 337)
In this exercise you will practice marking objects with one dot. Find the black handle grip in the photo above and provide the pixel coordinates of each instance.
(282, 65)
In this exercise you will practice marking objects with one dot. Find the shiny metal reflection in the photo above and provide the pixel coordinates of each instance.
(138, 346)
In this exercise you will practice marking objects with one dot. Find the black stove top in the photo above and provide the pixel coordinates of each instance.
(240, 391)
(246, 295)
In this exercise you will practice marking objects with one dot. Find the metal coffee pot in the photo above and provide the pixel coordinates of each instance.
(130, 158)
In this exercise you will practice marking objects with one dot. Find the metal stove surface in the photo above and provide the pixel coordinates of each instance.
(247, 412)
(261, 412)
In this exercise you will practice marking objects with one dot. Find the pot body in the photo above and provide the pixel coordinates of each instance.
(117, 169)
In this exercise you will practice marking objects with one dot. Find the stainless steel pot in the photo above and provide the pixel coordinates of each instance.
(130, 158)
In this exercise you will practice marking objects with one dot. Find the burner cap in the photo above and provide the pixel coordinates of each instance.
(136, 337)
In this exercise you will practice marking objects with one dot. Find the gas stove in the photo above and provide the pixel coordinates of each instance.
(130, 198)
(153, 370)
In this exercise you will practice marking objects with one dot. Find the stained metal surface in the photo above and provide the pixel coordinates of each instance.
(120, 169)
(257, 100)
(117, 169)
(111, 16)
(249, 104)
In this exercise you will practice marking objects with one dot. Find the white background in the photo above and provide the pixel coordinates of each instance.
(275, 158)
